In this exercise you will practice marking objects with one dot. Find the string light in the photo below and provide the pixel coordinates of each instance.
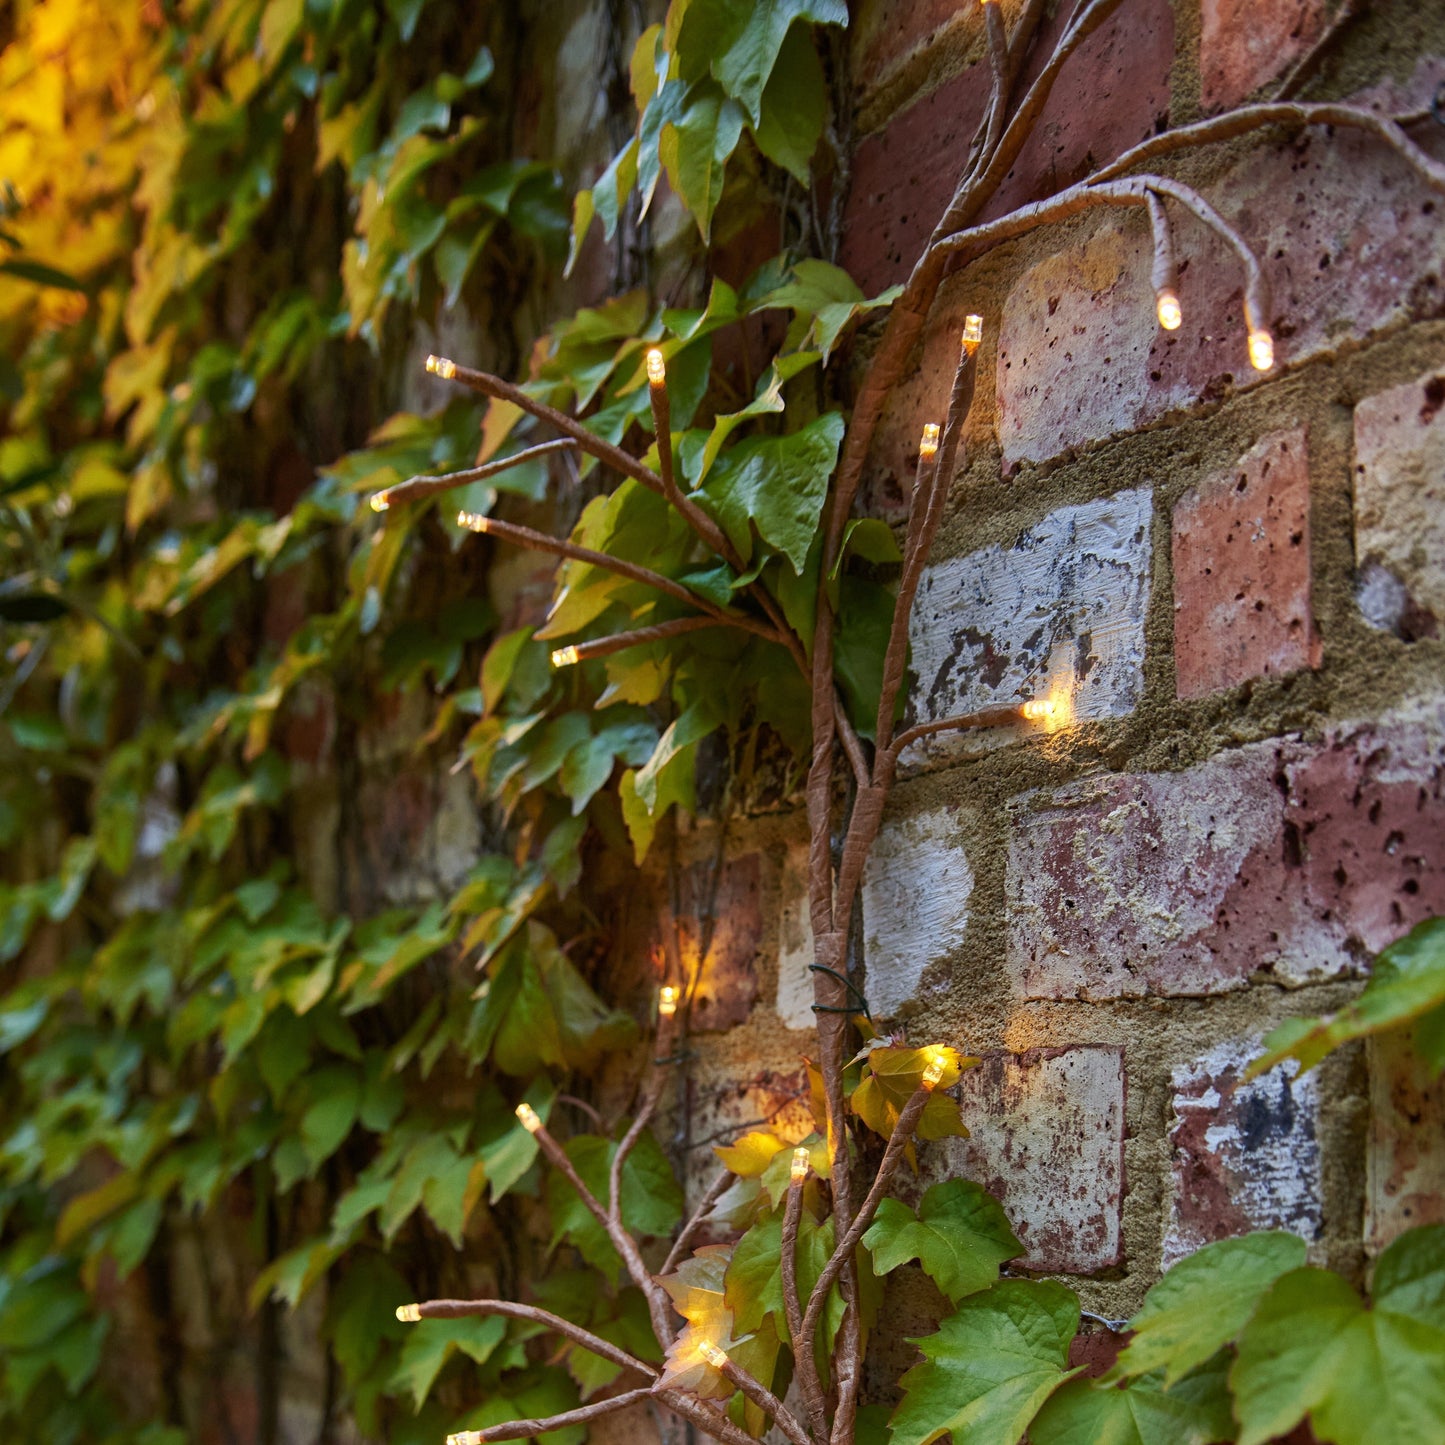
(468, 1437)
(656, 367)
(1039, 709)
(800, 1165)
(715, 1357)
(564, 656)
(380, 501)
(528, 1115)
(667, 1000)
(474, 521)
(442, 366)
(1261, 349)
(928, 445)
(1171, 314)
(972, 333)
(408, 1314)
(937, 1061)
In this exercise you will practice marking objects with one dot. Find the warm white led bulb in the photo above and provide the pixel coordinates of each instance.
(564, 656)
(1261, 350)
(715, 1357)
(937, 1058)
(656, 367)
(408, 1314)
(473, 521)
(442, 366)
(972, 332)
(468, 1437)
(528, 1115)
(667, 1000)
(928, 445)
(1171, 314)
(800, 1165)
(1038, 709)
(380, 501)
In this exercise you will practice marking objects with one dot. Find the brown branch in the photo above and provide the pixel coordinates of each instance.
(456, 1309)
(540, 542)
(766, 1401)
(715, 1191)
(808, 1382)
(620, 641)
(1308, 63)
(658, 1305)
(707, 1419)
(525, 1429)
(415, 489)
(903, 1130)
(1164, 275)
(486, 384)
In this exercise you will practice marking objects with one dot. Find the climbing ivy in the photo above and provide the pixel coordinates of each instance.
(222, 222)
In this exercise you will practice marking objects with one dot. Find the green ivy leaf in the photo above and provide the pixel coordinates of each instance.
(695, 148)
(1361, 1375)
(1406, 983)
(431, 1343)
(960, 1236)
(778, 485)
(1204, 1301)
(335, 1095)
(990, 1366)
(794, 106)
(754, 1281)
(1195, 1411)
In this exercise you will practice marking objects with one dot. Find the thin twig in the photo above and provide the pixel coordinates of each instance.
(583, 1415)
(988, 717)
(456, 1309)
(766, 1401)
(415, 489)
(808, 1382)
(715, 1191)
(638, 636)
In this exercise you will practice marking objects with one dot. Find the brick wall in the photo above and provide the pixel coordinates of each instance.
(1236, 584)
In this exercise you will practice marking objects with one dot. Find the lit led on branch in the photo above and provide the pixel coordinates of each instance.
(1168, 309)
(801, 1164)
(668, 998)
(656, 367)
(565, 656)
(474, 522)
(928, 443)
(1261, 349)
(442, 366)
(380, 501)
(936, 1061)
(1039, 709)
(468, 1437)
(972, 333)
(712, 1354)
(529, 1118)
(408, 1314)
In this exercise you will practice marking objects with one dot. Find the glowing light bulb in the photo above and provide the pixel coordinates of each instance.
(937, 1057)
(656, 367)
(528, 1115)
(380, 501)
(667, 1000)
(972, 333)
(1039, 709)
(800, 1165)
(468, 1437)
(564, 656)
(715, 1357)
(442, 366)
(474, 521)
(929, 443)
(1261, 350)
(1171, 314)
(408, 1314)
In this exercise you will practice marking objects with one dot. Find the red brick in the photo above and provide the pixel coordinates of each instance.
(1112, 94)
(1244, 44)
(1349, 238)
(1405, 1162)
(1300, 860)
(1242, 571)
(1242, 1156)
(1400, 506)
(1047, 1139)
(887, 31)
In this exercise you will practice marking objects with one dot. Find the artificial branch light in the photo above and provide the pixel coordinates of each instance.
(442, 366)
(467, 1437)
(408, 1314)
(1039, 709)
(937, 1061)
(801, 1163)
(716, 1357)
(529, 1118)
(972, 333)
(656, 368)
(1170, 313)
(667, 1000)
(928, 444)
(1261, 349)
(380, 501)
(565, 656)
(474, 522)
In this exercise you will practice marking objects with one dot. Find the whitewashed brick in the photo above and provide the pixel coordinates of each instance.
(795, 944)
(916, 889)
(1059, 612)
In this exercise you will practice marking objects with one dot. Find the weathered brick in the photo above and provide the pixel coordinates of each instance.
(1242, 1156)
(1113, 93)
(885, 32)
(916, 889)
(1282, 856)
(1405, 1161)
(1059, 612)
(1047, 1138)
(795, 943)
(1245, 43)
(1346, 233)
(727, 1099)
(1242, 570)
(1400, 506)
